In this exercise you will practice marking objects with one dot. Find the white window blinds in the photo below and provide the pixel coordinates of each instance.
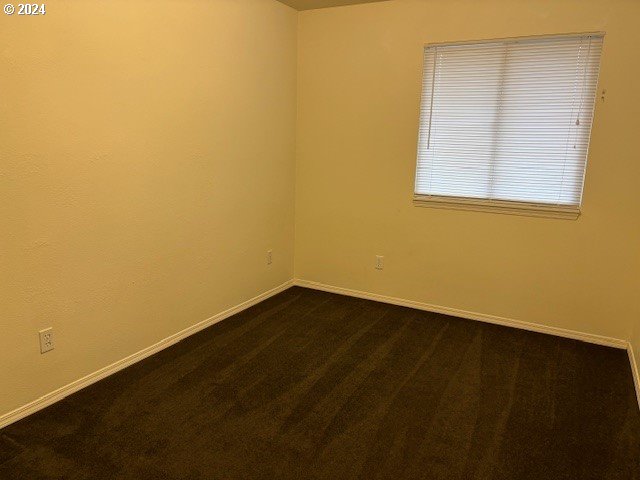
(508, 120)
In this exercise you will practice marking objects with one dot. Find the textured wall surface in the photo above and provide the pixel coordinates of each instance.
(359, 92)
(147, 165)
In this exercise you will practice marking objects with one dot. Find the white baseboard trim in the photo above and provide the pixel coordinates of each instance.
(634, 371)
(483, 317)
(59, 394)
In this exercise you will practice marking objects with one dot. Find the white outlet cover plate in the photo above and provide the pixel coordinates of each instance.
(46, 340)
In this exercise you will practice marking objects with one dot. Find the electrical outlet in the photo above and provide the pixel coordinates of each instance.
(46, 340)
(379, 262)
(269, 257)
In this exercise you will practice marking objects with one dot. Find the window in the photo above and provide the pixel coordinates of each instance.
(505, 124)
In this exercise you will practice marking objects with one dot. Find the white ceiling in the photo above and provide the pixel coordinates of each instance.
(311, 4)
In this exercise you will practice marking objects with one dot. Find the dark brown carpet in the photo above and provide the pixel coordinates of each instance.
(311, 385)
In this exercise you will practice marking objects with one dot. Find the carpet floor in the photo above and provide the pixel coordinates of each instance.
(312, 385)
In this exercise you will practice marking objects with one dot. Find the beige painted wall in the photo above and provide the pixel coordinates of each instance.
(359, 87)
(146, 166)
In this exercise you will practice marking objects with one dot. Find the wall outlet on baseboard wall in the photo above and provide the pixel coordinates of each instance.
(379, 262)
(46, 340)
(269, 257)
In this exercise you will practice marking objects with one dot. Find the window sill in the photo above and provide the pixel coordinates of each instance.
(498, 206)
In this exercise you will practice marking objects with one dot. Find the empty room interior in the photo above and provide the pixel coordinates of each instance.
(320, 239)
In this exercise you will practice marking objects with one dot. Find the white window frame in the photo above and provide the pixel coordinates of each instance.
(505, 206)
